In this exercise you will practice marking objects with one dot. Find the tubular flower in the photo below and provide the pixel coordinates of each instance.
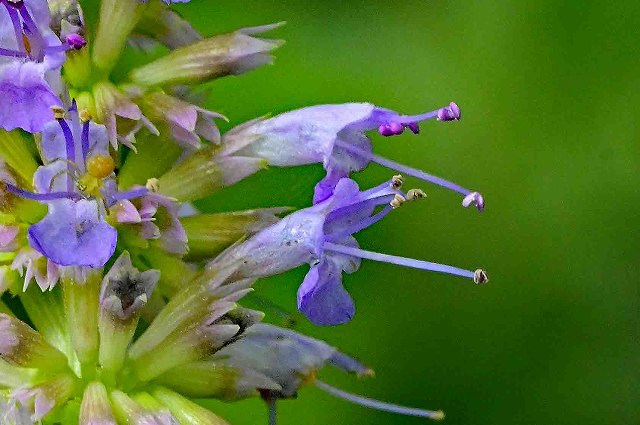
(31, 55)
(322, 237)
(334, 136)
(137, 307)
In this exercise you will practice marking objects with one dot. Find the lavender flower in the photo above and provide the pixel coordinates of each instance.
(138, 308)
(322, 237)
(334, 136)
(77, 184)
(30, 59)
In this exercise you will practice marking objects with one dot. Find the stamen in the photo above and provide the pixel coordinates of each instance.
(84, 137)
(361, 225)
(153, 185)
(397, 201)
(42, 196)
(397, 181)
(414, 194)
(480, 277)
(400, 261)
(58, 112)
(380, 405)
(17, 28)
(35, 38)
(130, 194)
(13, 53)
(70, 145)
(408, 170)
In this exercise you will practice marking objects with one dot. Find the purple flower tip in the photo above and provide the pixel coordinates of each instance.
(474, 198)
(449, 113)
(76, 41)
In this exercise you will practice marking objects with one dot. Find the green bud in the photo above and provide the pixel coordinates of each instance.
(186, 411)
(22, 346)
(95, 408)
(117, 20)
(210, 234)
(214, 379)
(228, 54)
(124, 292)
(165, 25)
(204, 173)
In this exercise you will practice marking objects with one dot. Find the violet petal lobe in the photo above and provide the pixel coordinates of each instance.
(74, 234)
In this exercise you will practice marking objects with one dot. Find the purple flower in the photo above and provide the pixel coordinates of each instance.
(77, 183)
(156, 218)
(322, 237)
(30, 59)
(334, 136)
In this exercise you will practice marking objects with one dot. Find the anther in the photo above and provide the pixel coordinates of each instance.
(397, 181)
(480, 277)
(58, 112)
(152, 185)
(475, 199)
(397, 201)
(85, 115)
(415, 194)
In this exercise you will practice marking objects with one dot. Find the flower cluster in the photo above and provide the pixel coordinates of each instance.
(120, 300)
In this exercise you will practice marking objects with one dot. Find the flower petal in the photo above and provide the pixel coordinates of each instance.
(322, 298)
(74, 234)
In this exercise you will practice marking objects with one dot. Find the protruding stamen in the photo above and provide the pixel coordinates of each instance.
(475, 199)
(41, 196)
(130, 194)
(408, 170)
(397, 181)
(397, 201)
(400, 261)
(70, 144)
(13, 53)
(75, 41)
(480, 277)
(84, 137)
(449, 113)
(363, 224)
(380, 405)
(413, 194)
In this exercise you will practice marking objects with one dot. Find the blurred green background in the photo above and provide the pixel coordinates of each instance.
(549, 135)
